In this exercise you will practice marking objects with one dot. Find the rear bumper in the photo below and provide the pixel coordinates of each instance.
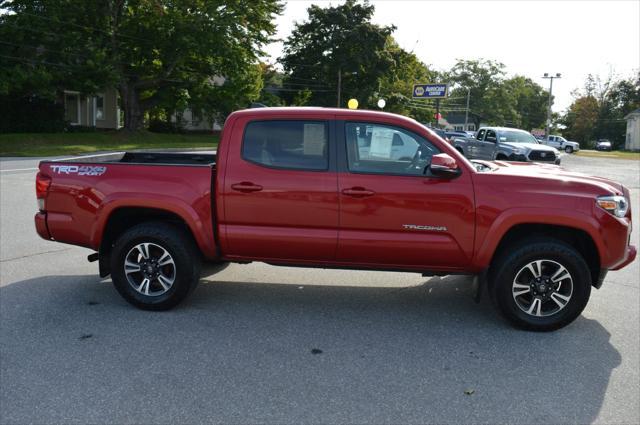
(41, 225)
(629, 257)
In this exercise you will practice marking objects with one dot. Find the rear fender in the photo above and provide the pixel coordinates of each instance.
(201, 227)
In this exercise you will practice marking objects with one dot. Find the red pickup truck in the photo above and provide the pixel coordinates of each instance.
(335, 188)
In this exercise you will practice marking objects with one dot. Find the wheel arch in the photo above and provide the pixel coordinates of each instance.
(578, 238)
(123, 218)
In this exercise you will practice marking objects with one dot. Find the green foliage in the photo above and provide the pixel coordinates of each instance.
(598, 110)
(515, 102)
(156, 52)
(17, 114)
(334, 41)
(397, 84)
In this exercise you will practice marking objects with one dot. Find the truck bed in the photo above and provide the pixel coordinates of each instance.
(146, 158)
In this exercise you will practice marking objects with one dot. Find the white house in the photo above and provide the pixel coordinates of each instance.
(632, 140)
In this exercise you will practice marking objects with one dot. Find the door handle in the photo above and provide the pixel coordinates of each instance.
(358, 192)
(246, 187)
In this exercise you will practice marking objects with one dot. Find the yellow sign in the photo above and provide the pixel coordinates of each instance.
(352, 104)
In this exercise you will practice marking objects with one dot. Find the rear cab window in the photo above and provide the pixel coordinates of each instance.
(287, 144)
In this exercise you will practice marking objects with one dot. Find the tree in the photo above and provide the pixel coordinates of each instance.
(396, 85)
(528, 102)
(581, 119)
(152, 51)
(337, 43)
(483, 78)
(599, 109)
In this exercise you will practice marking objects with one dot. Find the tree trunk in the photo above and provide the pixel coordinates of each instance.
(133, 113)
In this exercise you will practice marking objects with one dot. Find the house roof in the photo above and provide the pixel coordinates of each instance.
(458, 117)
(632, 114)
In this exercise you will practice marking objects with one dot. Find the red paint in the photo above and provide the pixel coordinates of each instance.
(335, 218)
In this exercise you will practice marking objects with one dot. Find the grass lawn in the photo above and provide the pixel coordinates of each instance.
(53, 144)
(609, 154)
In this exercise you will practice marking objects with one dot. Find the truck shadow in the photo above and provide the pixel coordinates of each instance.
(262, 352)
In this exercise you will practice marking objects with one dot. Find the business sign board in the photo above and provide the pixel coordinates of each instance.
(430, 91)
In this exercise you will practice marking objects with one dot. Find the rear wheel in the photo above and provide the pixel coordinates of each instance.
(154, 266)
(568, 149)
(541, 285)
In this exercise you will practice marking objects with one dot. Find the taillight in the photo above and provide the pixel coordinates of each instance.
(42, 188)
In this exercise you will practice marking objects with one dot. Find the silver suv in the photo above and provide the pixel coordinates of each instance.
(506, 144)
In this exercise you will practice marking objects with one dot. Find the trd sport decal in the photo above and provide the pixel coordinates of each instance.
(81, 170)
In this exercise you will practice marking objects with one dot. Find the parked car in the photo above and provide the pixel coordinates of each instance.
(561, 143)
(603, 145)
(506, 144)
(454, 134)
(292, 187)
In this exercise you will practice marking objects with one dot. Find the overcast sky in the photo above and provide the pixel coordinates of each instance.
(529, 37)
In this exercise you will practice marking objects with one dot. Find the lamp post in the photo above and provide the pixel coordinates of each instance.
(550, 78)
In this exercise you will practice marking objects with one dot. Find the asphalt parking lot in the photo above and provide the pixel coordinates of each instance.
(257, 343)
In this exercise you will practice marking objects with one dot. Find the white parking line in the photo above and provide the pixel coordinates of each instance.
(19, 169)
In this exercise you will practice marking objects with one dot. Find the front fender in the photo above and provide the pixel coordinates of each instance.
(517, 216)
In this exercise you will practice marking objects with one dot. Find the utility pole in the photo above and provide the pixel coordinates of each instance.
(339, 85)
(438, 113)
(466, 113)
(550, 77)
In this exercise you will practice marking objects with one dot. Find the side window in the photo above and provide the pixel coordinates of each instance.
(383, 149)
(480, 135)
(491, 136)
(299, 145)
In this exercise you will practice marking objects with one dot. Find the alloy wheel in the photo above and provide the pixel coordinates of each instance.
(542, 288)
(150, 269)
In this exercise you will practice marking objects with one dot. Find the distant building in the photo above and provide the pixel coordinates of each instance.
(632, 140)
(101, 110)
(455, 121)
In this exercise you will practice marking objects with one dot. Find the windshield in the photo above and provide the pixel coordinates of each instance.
(517, 137)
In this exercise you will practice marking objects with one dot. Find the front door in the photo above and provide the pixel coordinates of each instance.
(280, 192)
(487, 147)
(392, 213)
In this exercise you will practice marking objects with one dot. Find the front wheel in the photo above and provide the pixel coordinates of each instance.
(568, 149)
(541, 285)
(154, 266)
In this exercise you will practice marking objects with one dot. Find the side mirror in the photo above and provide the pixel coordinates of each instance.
(443, 165)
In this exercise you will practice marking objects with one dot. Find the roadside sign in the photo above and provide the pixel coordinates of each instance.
(431, 91)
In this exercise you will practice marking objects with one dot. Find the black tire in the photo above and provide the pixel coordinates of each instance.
(514, 260)
(186, 263)
(568, 149)
(501, 158)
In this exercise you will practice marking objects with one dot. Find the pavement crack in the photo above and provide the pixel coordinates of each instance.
(33, 255)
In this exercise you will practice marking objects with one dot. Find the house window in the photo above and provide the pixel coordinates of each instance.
(458, 127)
(72, 108)
(100, 106)
(471, 127)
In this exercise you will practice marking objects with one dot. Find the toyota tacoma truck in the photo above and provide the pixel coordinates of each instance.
(507, 144)
(323, 188)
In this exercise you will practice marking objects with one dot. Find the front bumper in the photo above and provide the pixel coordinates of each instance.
(630, 256)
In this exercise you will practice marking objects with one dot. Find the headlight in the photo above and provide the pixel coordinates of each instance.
(518, 151)
(616, 205)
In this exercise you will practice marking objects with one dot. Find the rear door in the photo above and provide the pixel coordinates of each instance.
(392, 215)
(280, 191)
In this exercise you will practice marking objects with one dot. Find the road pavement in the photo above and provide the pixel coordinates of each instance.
(256, 343)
